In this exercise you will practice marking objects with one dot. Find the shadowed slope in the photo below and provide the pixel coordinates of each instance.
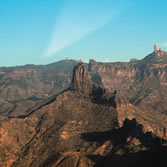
(131, 146)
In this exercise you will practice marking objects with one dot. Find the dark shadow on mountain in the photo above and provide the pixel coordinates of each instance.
(97, 79)
(140, 159)
(102, 96)
(154, 154)
(130, 129)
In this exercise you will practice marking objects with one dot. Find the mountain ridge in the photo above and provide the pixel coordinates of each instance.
(142, 82)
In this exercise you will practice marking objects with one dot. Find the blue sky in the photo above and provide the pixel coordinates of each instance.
(45, 31)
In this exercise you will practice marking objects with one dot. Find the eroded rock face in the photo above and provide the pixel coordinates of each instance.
(81, 79)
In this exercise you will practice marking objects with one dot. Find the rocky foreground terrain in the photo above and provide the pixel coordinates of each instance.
(89, 125)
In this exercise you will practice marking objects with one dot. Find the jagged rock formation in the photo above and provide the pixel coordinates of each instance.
(155, 48)
(81, 79)
(81, 128)
(157, 57)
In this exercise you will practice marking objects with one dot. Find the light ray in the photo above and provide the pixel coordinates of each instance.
(76, 22)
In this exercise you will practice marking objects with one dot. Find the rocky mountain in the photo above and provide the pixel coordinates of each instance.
(85, 125)
(142, 82)
(22, 87)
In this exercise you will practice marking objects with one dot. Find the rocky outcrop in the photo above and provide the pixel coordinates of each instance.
(157, 57)
(81, 83)
(81, 80)
(155, 48)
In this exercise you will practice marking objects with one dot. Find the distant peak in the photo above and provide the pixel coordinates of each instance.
(156, 48)
(159, 52)
(158, 56)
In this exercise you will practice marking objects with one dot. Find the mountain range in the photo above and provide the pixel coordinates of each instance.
(73, 114)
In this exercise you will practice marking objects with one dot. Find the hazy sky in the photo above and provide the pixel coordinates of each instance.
(45, 31)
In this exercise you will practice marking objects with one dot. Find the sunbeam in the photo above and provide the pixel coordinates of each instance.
(75, 22)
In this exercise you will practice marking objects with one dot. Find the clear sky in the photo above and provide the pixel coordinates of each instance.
(45, 31)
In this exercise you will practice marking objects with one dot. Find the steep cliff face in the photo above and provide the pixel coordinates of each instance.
(143, 82)
(81, 79)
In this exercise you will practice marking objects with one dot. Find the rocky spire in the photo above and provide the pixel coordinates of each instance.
(155, 48)
(81, 79)
(81, 83)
